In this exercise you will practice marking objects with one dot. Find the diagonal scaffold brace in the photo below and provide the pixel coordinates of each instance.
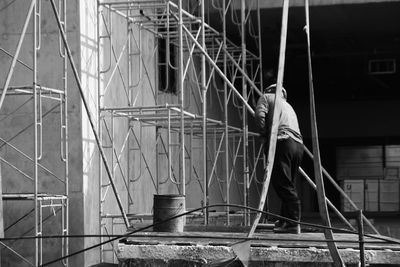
(91, 121)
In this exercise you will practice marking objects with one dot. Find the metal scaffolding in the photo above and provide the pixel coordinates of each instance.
(198, 67)
(172, 120)
(28, 160)
(206, 69)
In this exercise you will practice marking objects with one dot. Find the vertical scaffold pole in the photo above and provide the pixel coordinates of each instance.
(244, 110)
(15, 58)
(35, 132)
(204, 112)
(260, 46)
(181, 90)
(65, 157)
(226, 118)
(99, 104)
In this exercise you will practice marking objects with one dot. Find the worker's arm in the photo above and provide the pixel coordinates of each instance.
(260, 115)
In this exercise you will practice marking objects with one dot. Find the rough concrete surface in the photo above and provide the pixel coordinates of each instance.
(167, 255)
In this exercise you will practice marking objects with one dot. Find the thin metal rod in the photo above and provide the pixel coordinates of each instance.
(260, 62)
(242, 71)
(65, 211)
(215, 158)
(35, 135)
(361, 237)
(86, 106)
(312, 184)
(17, 254)
(220, 72)
(181, 82)
(244, 114)
(204, 114)
(226, 117)
(19, 61)
(99, 104)
(15, 58)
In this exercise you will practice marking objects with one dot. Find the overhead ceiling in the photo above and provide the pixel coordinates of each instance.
(343, 39)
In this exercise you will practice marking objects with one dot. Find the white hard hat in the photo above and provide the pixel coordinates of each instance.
(272, 88)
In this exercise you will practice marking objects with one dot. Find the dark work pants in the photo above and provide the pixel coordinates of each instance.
(288, 157)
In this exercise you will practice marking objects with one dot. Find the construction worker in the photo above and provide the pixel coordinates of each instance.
(288, 154)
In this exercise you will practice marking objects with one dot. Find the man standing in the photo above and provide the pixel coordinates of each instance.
(288, 155)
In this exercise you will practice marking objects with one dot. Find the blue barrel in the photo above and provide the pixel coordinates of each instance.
(165, 207)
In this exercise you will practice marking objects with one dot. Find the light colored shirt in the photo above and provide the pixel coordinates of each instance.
(288, 124)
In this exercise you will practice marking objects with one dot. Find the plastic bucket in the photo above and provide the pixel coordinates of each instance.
(165, 207)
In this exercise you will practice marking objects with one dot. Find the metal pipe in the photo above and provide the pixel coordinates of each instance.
(144, 158)
(361, 237)
(99, 104)
(190, 55)
(226, 117)
(19, 61)
(220, 72)
(65, 158)
(15, 58)
(30, 159)
(244, 120)
(242, 71)
(40, 123)
(116, 67)
(257, 158)
(182, 99)
(169, 146)
(260, 45)
(35, 135)
(204, 114)
(216, 158)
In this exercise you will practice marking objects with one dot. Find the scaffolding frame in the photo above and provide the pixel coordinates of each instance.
(179, 130)
(38, 97)
(193, 37)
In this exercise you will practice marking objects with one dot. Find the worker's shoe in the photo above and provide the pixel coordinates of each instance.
(288, 228)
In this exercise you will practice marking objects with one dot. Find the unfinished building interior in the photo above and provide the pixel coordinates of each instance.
(107, 104)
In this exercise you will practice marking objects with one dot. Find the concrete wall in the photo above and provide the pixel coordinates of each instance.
(18, 130)
(86, 173)
(88, 187)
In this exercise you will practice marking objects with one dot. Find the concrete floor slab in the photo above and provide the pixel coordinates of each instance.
(267, 249)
